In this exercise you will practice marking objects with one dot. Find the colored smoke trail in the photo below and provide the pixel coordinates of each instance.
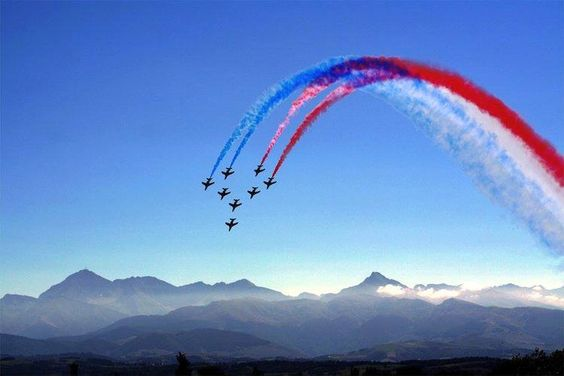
(308, 94)
(342, 66)
(544, 151)
(541, 151)
(334, 96)
(269, 100)
(333, 69)
(450, 120)
(356, 80)
(501, 164)
(503, 154)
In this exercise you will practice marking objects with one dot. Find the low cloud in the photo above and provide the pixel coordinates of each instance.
(433, 294)
(546, 299)
(392, 290)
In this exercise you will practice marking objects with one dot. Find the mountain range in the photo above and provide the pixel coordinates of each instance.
(346, 328)
(378, 319)
(85, 301)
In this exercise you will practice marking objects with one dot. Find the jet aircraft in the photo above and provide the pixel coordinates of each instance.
(224, 192)
(270, 181)
(207, 183)
(254, 192)
(235, 204)
(228, 171)
(231, 223)
(259, 169)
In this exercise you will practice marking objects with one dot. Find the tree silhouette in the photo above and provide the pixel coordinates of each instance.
(73, 369)
(536, 363)
(183, 368)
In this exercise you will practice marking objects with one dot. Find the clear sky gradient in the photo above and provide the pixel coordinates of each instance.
(112, 113)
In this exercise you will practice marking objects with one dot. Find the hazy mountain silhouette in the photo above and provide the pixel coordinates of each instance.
(47, 317)
(511, 295)
(148, 295)
(308, 295)
(371, 284)
(346, 324)
(85, 301)
(82, 286)
(507, 296)
(386, 328)
(437, 286)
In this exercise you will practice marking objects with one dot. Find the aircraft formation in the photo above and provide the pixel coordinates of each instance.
(235, 203)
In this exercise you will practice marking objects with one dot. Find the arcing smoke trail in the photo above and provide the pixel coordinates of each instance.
(270, 99)
(534, 155)
(357, 80)
(500, 162)
(332, 69)
(542, 150)
(469, 134)
(334, 96)
(308, 94)
(504, 155)
(339, 67)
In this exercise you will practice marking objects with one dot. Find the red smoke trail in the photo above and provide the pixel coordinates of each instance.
(551, 160)
(547, 154)
(373, 68)
(333, 97)
(308, 94)
(367, 78)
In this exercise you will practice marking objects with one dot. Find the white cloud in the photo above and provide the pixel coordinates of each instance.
(546, 299)
(392, 290)
(438, 294)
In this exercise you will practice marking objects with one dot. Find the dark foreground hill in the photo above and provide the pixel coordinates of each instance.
(198, 342)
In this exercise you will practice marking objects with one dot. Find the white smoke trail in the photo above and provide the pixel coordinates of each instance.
(498, 164)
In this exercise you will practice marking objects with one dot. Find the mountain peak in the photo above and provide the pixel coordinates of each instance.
(376, 275)
(308, 295)
(198, 284)
(86, 274)
(242, 283)
(378, 279)
(371, 284)
(145, 284)
(83, 282)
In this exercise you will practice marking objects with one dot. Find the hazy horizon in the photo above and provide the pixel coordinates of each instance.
(465, 286)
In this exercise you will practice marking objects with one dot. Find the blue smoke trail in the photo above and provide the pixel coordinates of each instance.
(331, 70)
(270, 99)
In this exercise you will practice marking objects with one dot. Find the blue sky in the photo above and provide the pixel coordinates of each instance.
(112, 113)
